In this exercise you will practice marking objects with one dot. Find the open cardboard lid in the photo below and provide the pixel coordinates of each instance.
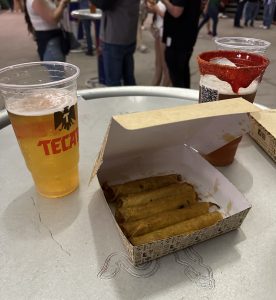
(204, 127)
(267, 118)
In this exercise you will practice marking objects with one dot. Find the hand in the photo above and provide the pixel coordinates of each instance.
(151, 6)
(63, 3)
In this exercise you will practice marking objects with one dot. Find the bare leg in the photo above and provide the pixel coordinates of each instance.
(166, 81)
(158, 62)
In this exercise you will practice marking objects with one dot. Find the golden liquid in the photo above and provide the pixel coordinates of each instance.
(51, 155)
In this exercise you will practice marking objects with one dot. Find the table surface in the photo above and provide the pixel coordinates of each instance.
(70, 248)
(86, 14)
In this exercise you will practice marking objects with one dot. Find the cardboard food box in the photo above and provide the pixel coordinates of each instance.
(159, 142)
(263, 130)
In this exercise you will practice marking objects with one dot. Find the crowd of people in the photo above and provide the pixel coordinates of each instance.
(175, 27)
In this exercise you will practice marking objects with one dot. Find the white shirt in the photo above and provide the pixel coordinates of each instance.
(38, 23)
(160, 20)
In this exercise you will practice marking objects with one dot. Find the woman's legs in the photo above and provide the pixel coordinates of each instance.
(158, 62)
(205, 19)
(53, 51)
(166, 80)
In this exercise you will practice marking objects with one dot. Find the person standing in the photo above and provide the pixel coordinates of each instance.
(211, 11)
(238, 14)
(251, 10)
(118, 42)
(161, 74)
(42, 18)
(180, 35)
(269, 8)
(86, 25)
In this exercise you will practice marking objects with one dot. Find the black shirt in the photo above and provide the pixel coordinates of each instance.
(181, 32)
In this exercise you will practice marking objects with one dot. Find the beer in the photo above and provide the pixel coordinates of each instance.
(92, 8)
(46, 126)
(213, 89)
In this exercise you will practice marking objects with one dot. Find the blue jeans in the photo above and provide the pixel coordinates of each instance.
(118, 64)
(53, 51)
(86, 24)
(268, 14)
(251, 12)
(212, 13)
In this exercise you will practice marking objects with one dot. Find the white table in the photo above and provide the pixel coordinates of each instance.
(70, 248)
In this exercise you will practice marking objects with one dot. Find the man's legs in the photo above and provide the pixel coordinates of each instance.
(113, 63)
(205, 19)
(178, 64)
(128, 65)
(214, 16)
(266, 15)
(238, 14)
(87, 29)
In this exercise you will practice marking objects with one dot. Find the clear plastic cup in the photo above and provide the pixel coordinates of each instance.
(242, 44)
(221, 81)
(41, 101)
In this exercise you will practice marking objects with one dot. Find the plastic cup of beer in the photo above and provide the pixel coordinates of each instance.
(41, 101)
(225, 75)
(242, 44)
(92, 8)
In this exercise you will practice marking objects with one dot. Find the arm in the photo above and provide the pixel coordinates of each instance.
(51, 16)
(175, 11)
(206, 7)
(154, 8)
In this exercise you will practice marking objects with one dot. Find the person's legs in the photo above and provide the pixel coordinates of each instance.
(205, 19)
(238, 14)
(255, 11)
(53, 51)
(86, 24)
(214, 16)
(266, 15)
(247, 13)
(128, 65)
(178, 65)
(271, 14)
(158, 62)
(113, 63)
(166, 80)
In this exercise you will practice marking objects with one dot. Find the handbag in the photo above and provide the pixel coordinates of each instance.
(103, 4)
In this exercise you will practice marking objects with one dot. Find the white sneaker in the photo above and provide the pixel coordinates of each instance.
(222, 16)
(263, 27)
(143, 48)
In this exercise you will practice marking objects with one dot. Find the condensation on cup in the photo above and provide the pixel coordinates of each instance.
(41, 102)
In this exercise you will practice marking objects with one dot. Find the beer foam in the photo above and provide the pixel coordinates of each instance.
(40, 102)
(223, 87)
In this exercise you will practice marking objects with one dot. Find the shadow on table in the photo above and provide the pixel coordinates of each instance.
(31, 216)
(176, 271)
(243, 182)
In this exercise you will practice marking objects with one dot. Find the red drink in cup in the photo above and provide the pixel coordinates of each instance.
(225, 75)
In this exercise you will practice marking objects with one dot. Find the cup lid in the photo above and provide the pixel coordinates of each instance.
(242, 44)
